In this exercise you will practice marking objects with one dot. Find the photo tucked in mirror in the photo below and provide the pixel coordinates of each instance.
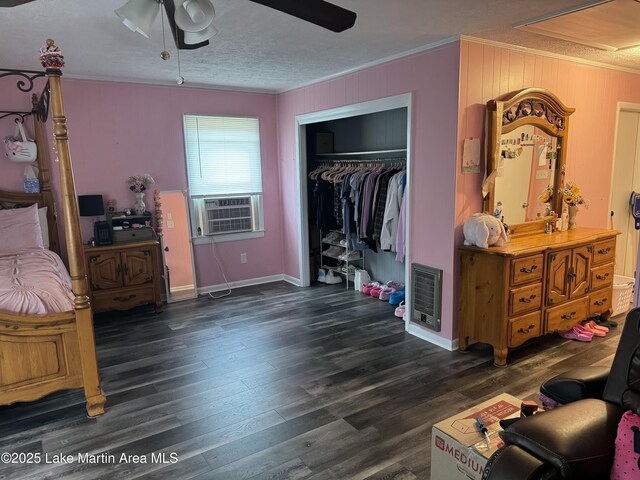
(525, 175)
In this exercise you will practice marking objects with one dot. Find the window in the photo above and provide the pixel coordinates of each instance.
(224, 173)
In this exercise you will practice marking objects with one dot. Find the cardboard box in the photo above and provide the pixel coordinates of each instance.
(458, 449)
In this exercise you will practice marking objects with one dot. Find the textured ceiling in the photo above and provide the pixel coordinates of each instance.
(264, 50)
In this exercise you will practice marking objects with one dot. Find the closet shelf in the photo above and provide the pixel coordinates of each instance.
(368, 152)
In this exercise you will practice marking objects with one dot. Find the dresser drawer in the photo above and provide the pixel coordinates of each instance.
(600, 301)
(523, 328)
(526, 269)
(604, 252)
(525, 299)
(602, 277)
(122, 299)
(563, 317)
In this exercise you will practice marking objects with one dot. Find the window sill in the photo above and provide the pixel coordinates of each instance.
(230, 237)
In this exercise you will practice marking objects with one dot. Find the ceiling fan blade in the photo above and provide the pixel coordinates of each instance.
(13, 3)
(319, 12)
(178, 34)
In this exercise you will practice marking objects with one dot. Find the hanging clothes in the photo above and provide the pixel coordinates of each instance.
(401, 245)
(389, 230)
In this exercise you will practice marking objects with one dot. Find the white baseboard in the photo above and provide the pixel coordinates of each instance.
(241, 283)
(292, 280)
(427, 335)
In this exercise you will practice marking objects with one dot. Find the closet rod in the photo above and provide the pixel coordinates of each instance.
(328, 161)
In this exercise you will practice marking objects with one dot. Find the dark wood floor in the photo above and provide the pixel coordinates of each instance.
(273, 382)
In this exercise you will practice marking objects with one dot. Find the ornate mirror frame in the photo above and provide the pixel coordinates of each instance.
(530, 106)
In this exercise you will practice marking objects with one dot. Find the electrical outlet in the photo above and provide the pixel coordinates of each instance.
(542, 174)
(171, 224)
(243, 258)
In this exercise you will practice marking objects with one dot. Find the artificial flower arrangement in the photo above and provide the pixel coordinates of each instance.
(138, 183)
(571, 195)
(547, 194)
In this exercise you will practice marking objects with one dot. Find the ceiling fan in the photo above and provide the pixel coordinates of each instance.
(318, 12)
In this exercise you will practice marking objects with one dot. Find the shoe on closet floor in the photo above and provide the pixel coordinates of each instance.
(396, 297)
(332, 278)
(386, 292)
(399, 312)
(366, 288)
(322, 275)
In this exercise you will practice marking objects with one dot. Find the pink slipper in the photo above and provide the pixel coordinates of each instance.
(574, 335)
(399, 312)
(594, 326)
(375, 292)
(366, 288)
(596, 332)
(385, 293)
(583, 330)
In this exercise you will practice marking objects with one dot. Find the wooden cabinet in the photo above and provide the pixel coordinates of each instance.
(536, 284)
(124, 275)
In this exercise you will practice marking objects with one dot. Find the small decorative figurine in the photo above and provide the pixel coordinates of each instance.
(51, 56)
(498, 211)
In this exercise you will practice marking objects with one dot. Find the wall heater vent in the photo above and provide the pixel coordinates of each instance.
(426, 296)
(228, 215)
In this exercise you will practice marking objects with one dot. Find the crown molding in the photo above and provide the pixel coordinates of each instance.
(559, 56)
(375, 63)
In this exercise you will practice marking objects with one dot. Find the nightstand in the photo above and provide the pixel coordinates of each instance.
(124, 275)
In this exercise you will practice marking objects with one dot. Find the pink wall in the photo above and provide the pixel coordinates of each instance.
(432, 77)
(122, 129)
(487, 72)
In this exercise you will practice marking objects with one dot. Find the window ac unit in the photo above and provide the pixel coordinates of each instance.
(228, 215)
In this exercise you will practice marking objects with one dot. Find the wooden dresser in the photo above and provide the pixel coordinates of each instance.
(124, 275)
(534, 285)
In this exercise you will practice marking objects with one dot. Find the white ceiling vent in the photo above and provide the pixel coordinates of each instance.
(608, 25)
(426, 296)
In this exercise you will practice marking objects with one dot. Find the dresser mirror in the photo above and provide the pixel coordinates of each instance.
(528, 132)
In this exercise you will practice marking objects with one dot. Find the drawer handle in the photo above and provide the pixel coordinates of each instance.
(124, 299)
(527, 300)
(568, 317)
(602, 277)
(600, 302)
(604, 251)
(529, 270)
(526, 330)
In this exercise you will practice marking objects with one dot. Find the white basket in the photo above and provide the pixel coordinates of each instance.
(622, 293)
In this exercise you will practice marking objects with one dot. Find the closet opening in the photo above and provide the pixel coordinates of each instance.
(353, 174)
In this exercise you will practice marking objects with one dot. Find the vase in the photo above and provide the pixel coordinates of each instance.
(573, 213)
(139, 207)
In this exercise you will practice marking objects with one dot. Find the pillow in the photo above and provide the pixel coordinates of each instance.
(44, 226)
(20, 228)
(626, 463)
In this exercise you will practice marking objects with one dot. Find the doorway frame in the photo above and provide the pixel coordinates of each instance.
(622, 107)
(404, 100)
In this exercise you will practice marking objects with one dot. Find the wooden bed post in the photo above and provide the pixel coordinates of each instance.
(53, 61)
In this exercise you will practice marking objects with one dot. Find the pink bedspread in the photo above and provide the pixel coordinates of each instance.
(34, 281)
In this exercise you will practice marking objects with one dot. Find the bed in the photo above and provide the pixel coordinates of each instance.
(46, 322)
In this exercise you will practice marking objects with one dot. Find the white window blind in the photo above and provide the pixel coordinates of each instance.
(223, 155)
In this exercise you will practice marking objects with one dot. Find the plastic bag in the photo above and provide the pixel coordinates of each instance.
(31, 182)
(18, 147)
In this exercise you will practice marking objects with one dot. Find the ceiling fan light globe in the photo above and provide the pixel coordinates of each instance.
(192, 38)
(194, 10)
(139, 15)
(184, 19)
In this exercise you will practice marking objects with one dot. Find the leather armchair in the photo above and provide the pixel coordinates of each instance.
(575, 440)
